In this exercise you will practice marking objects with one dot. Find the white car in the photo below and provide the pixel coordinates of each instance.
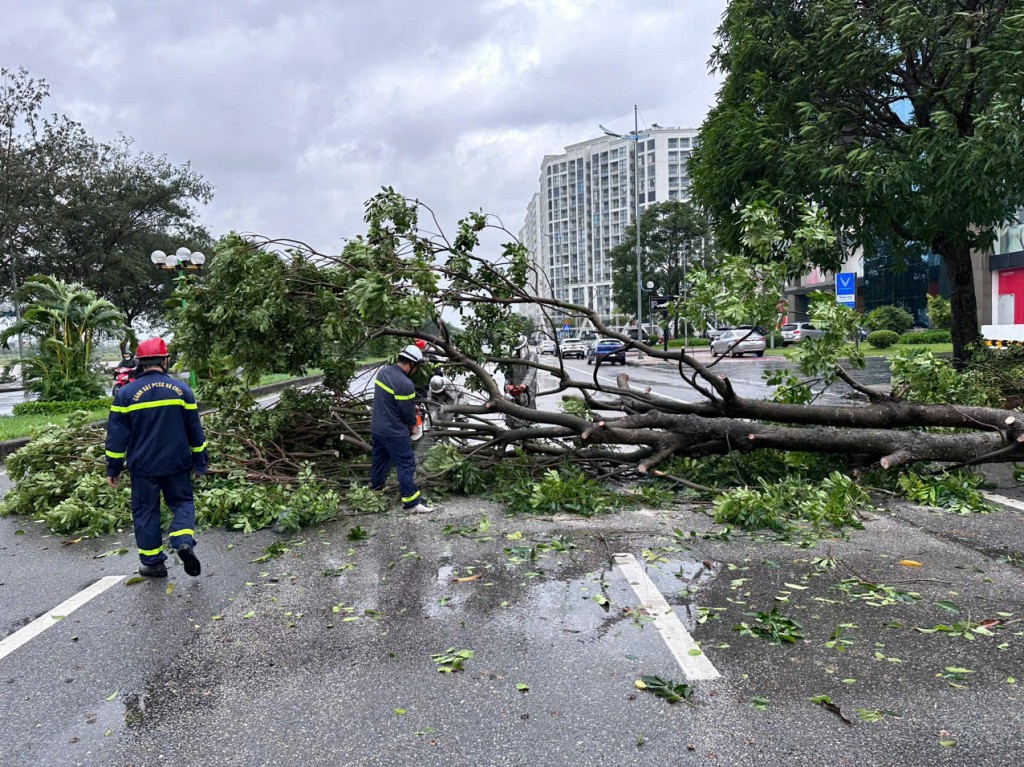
(571, 347)
(735, 343)
(547, 346)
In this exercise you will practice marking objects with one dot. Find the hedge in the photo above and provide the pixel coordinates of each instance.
(927, 337)
(55, 408)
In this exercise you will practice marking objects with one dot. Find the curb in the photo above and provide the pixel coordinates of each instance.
(13, 445)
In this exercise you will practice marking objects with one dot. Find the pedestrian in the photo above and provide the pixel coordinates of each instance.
(154, 427)
(392, 425)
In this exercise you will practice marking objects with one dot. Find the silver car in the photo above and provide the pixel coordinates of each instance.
(795, 332)
(735, 343)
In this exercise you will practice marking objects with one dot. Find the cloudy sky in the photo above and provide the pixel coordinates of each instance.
(299, 110)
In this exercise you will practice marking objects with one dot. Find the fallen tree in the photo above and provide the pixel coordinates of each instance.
(279, 306)
(398, 284)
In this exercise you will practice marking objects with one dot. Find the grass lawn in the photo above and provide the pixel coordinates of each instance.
(870, 351)
(15, 426)
(273, 378)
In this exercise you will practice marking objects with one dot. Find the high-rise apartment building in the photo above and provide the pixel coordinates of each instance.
(587, 198)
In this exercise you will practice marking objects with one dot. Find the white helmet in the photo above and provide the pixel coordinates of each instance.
(411, 353)
(521, 342)
(437, 384)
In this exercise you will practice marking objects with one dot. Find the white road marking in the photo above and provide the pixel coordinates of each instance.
(54, 616)
(691, 658)
(1002, 499)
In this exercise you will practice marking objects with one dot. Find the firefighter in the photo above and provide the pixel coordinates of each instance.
(392, 425)
(154, 428)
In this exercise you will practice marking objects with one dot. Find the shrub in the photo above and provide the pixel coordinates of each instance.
(940, 313)
(927, 337)
(894, 318)
(883, 339)
(36, 407)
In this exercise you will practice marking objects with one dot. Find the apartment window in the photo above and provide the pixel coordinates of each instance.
(650, 183)
(673, 194)
(651, 197)
(673, 170)
(673, 143)
(684, 142)
(650, 145)
(673, 156)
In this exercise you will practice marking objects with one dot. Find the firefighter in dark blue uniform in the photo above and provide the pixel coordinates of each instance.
(154, 428)
(392, 425)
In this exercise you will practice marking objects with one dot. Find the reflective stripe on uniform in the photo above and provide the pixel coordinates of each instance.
(183, 532)
(199, 449)
(154, 403)
(412, 497)
(391, 391)
(116, 455)
(151, 552)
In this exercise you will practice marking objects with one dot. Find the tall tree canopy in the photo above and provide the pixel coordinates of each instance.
(904, 118)
(673, 237)
(86, 211)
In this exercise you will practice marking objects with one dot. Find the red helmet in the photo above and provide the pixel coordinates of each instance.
(152, 347)
(420, 343)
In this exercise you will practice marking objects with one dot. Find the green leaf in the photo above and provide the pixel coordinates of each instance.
(952, 607)
(133, 580)
(399, 711)
(523, 687)
(112, 696)
(669, 690)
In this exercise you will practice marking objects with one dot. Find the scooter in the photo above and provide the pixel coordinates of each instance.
(122, 377)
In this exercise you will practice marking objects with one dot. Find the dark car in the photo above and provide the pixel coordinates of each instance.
(606, 351)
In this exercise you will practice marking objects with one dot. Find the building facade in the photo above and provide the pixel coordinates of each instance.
(587, 198)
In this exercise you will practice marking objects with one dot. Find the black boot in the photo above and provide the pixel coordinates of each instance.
(189, 559)
(159, 570)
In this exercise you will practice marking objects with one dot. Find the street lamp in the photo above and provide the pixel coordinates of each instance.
(635, 137)
(180, 261)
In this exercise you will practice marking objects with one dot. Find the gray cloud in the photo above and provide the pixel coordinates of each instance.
(297, 112)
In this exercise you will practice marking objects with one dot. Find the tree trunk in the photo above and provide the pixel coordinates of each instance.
(962, 298)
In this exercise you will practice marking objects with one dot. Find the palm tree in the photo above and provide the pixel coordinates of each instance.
(66, 320)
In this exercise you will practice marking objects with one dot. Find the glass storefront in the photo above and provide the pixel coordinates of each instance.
(907, 281)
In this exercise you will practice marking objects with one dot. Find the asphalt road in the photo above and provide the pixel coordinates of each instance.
(323, 655)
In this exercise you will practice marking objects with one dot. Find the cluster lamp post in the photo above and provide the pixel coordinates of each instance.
(635, 137)
(180, 261)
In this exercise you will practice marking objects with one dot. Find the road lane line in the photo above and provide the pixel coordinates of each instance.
(47, 619)
(695, 666)
(1002, 499)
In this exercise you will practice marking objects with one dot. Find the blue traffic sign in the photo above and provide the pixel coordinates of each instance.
(846, 288)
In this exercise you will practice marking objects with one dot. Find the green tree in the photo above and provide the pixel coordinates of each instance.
(902, 117)
(85, 211)
(65, 320)
(118, 208)
(674, 238)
